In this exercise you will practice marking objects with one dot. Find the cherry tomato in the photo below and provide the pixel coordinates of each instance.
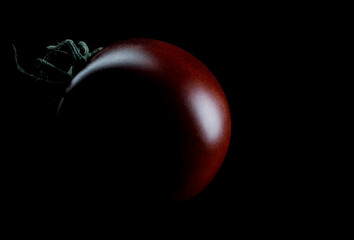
(145, 120)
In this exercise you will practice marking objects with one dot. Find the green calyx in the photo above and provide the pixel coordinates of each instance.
(61, 63)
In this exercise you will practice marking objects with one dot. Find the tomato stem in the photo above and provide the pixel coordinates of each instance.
(79, 55)
(59, 66)
(46, 64)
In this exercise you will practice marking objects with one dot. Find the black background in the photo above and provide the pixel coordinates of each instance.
(287, 171)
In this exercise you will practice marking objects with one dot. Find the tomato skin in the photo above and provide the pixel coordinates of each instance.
(153, 116)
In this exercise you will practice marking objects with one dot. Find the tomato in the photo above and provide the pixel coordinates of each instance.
(146, 120)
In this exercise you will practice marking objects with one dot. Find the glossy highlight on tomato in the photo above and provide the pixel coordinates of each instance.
(145, 120)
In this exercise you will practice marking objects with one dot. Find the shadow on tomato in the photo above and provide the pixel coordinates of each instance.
(121, 139)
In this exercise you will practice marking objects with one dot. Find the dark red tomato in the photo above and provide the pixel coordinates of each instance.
(147, 119)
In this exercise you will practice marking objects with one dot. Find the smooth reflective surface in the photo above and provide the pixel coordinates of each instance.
(122, 57)
(208, 114)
